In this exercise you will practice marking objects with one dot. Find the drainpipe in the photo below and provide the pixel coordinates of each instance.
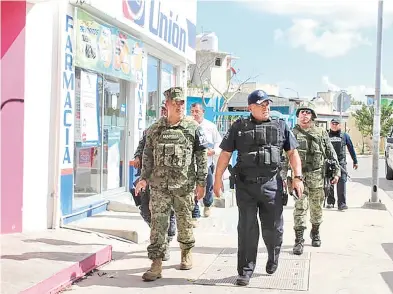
(56, 97)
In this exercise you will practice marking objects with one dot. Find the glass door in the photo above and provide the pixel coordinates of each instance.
(114, 137)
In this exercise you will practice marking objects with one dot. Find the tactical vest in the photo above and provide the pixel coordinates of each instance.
(338, 143)
(259, 147)
(173, 155)
(310, 152)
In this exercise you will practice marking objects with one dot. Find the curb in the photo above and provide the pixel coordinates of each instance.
(64, 278)
(386, 200)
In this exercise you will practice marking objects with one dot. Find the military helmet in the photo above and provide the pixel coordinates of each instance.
(307, 106)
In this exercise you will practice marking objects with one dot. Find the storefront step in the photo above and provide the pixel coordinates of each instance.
(122, 203)
(124, 225)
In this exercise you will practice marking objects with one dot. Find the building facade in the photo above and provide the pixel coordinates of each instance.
(98, 72)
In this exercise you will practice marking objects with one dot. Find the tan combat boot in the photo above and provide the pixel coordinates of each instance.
(186, 260)
(154, 272)
(206, 211)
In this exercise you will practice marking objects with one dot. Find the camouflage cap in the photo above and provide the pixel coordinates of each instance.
(175, 93)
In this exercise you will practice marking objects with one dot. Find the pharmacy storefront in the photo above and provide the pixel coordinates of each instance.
(116, 59)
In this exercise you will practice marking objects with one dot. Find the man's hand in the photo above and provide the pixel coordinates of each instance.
(355, 166)
(298, 186)
(335, 180)
(210, 152)
(137, 162)
(199, 192)
(218, 188)
(141, 186)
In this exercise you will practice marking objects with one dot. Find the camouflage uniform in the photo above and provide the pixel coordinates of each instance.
(168, 164)
(313, 149)
(144, 202)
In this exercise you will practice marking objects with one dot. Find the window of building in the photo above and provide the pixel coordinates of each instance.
(218, 62)
(168, 77)
(153, 68)
(99, 136)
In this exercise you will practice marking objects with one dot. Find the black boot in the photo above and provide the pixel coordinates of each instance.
(314, 235)
(299, 242)
(272, 261)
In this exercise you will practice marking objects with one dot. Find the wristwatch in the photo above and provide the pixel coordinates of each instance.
(299, 177)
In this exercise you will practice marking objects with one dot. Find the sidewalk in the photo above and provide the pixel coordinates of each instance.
(356, 257)
(48, 261)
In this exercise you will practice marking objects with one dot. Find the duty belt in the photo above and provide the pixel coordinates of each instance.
(255, 180)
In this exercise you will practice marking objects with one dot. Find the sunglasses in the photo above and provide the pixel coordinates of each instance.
(305, 111)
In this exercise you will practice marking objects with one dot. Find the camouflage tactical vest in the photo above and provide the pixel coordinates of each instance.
(309, 150)
(173, 156)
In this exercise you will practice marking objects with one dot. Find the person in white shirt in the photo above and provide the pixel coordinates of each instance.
(214, 139)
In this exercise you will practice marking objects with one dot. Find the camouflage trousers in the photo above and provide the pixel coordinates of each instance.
(161, 203)
(312, 199)
(146, 214)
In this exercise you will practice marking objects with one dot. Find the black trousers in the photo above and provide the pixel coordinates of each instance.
(263, 199)
(341, 190)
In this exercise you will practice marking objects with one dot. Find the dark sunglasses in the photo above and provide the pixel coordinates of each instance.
(305, 111)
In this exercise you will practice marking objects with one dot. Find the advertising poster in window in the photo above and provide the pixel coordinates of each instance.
(89, 112)
(106, 49)
(113, 163)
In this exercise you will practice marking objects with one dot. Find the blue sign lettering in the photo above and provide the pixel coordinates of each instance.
(68, 85)
(168, 28)
(140, 104)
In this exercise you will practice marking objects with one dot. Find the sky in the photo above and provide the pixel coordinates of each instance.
(306, 45)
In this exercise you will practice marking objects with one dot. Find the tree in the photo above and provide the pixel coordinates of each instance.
(365, 121)
(355, 102)
(200, 77)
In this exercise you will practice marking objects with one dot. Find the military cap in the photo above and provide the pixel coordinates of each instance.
(175, 93)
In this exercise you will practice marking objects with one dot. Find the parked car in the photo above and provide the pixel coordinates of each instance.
(389, 157)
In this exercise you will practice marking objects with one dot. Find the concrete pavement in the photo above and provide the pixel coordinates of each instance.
(356, 257)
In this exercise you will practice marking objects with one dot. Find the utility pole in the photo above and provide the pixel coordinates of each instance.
(375, 202)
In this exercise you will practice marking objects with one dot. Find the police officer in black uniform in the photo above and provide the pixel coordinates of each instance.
(259, 141)
(340, 141)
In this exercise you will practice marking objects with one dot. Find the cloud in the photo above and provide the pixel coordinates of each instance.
(329, 28)
(359, 91)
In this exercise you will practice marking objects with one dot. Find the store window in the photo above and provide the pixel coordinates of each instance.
(88, 134)
(152, 89)
(168, 77)
(100, 137)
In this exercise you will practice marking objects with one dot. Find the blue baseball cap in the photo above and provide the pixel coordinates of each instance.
(257, 97)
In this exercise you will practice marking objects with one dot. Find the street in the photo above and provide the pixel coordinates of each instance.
(364, 174)
(355, 257)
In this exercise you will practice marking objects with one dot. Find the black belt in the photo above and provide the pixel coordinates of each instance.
(255, 180)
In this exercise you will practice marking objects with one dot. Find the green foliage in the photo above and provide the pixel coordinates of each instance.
(365, 121)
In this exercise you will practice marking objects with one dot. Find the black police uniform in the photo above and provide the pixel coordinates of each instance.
(340, 141)
(259, 187)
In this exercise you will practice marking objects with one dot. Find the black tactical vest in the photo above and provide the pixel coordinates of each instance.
(338, 142)
(259, 147)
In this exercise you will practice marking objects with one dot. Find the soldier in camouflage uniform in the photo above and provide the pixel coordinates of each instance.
(175, 146)
(144, 202)
(314, 148)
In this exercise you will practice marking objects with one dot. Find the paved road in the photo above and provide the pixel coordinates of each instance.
(364, 174)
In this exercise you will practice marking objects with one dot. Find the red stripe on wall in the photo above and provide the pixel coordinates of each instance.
(13, 21)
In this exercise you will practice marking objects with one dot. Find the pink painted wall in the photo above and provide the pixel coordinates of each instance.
(13, 21)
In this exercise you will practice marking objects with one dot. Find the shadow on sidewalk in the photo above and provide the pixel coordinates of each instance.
(142, 254)
(388, 276)
(131, 279)
(384, 184)
(57, 256)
